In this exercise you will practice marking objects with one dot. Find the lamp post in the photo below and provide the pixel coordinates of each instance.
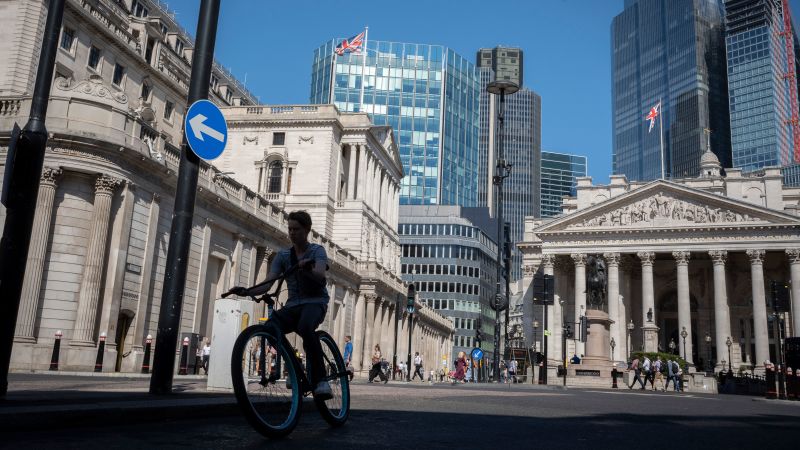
(397, 302)
(410, 308)
(728, 342)
(613, 344)
(631, 327)
(709, 367)
(564, 332)
(502, 171)
(535, 334)
(684, 333)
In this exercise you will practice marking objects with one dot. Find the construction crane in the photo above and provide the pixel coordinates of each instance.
(791, 77)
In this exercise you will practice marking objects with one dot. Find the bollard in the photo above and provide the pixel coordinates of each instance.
(769, 376)
(184, 356)
(98, 364)
(56, 350)
(146, 360)
(614, 374)
(794, 385)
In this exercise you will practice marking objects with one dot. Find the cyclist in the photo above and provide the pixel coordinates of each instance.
(308, 297)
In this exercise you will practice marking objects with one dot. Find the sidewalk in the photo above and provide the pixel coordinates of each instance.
(37, 400)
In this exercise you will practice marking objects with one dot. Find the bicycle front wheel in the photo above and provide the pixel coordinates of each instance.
(336, 410)
(265, 382)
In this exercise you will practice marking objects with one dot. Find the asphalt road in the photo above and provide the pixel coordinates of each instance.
(475, 417)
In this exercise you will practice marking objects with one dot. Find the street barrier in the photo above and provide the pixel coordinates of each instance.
(56, 351)
(184, 356)
(98, 364)
(146, 361)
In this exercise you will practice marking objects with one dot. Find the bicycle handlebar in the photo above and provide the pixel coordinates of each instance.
(247, 292)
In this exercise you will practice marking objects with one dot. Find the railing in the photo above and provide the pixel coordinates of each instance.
(10, 106)
(728, 383)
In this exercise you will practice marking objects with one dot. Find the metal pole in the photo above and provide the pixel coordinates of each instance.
(498, 181)
(396, 324)
(23, 188)
(543, 372)
(181, 231)
(410, 328)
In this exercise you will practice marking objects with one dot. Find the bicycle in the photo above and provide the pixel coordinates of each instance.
(269, 380)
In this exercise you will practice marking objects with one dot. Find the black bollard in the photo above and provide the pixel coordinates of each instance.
(184, 356)
(614, 374)
(56, 351)
(146, 360)
(772, 392)
(98, 364)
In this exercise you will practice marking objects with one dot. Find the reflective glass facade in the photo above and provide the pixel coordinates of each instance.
(759, 94)
(559, 178)
(429, 95)
(672, 51)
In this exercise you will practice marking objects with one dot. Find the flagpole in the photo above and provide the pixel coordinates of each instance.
(331, 97)
(661, 133)
(363, 66)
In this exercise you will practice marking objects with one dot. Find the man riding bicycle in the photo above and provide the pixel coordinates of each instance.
(308, 296)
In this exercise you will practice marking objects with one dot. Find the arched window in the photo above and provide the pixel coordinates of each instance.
(275, 176)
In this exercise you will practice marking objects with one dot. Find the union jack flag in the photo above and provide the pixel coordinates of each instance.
(653, 115)
(352, 45)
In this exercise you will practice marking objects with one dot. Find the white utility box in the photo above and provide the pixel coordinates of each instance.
(230, 318)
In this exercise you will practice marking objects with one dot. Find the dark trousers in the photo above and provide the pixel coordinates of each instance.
(205, 363)
(376, 371)
(304, 320)
(418, 371)
(650, 377)
(637, 376)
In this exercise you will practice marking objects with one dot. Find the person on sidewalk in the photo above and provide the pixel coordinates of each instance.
(658, 371)
(672, 375)
(348, 354)
(206, 356)
(377, 370)
(647, 372)
(637, 374)
(418, 368)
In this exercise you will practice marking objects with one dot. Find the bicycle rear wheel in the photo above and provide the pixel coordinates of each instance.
(336, 410)
(265, 382)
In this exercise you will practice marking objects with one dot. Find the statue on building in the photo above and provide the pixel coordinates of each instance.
(596, 282)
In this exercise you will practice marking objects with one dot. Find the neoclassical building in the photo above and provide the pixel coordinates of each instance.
(101, 229)
(694, 254)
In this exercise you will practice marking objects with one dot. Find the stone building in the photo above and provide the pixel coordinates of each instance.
(694, 254)
(101, 230)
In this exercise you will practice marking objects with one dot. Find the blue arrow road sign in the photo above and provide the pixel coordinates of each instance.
(205, 129)
(477, 353)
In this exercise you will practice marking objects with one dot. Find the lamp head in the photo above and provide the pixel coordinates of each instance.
(684, 333)
(728, 342)
(650, 315)
(631, 326)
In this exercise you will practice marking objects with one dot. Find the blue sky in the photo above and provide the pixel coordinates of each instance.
(566, 44)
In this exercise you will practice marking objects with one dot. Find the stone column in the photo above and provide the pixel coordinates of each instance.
(351, 172)
(93, 264)
(362, 171)
(358, 330)
(794, 264)
(580, 297)
(369, 325)
(759, 307)
(617, 322)
(722, 320)
(649, 329)
(32, 283)
(684, 303)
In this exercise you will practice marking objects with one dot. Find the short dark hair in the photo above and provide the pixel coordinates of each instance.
(301, 217)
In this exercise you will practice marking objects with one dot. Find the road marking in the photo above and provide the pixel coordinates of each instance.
(649, 394)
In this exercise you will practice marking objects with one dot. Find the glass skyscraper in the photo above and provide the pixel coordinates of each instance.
(428, 94)
(559, 178)
(759, 94)
(671, 51)
(522, 147)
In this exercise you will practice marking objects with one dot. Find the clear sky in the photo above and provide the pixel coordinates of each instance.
(566, 44)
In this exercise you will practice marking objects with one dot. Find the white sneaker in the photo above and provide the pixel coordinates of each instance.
(323, 391)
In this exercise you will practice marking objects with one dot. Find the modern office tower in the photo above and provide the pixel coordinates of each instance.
(450, 255)
(559, 178)
(673, 52)
(428, 94)
(759, 92)
(522, 144)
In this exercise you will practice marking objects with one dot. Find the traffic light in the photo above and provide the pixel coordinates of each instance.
(539, 290)
(549, 289)
(584, 328)
(412, 294)
(478, 332)
(568, 332)
(780, 296)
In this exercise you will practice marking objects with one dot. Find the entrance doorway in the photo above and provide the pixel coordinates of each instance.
(215, 270)
(123, 326)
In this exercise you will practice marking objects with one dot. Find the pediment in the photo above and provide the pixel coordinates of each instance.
(667, 205)
(93, 88)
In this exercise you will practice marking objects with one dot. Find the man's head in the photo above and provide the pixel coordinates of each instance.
(299, 224)
(347, 338)
(416, 353)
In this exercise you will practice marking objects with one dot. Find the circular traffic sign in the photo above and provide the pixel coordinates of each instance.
(205, 130)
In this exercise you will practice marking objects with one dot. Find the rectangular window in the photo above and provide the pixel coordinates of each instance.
(278, 138)
(94, 57)
(145, 92)
(119, 74)
(179, 47)
(67, 39)
(138, 9)
(168, 108)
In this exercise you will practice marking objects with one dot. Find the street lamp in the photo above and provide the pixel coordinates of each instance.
(708, 343)
(631, 327)
(410, 307)
(650, 315)
(535, 333)
(684, 333)
(728, 342)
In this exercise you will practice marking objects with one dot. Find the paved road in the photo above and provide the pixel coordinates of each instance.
(467, 417)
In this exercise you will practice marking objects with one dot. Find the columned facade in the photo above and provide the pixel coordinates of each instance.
(687, 262)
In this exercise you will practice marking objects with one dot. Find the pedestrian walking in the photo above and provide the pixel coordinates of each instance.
(348, 354)
(418, 367)
(206, 356)
(461, 365)
(637, 374)
(672, 375)
(658, 370)
(377, 371)
(647, 372)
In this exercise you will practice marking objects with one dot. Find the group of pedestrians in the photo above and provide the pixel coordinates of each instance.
(658, 373)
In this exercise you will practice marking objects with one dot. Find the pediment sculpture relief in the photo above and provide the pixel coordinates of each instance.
(664, 210)
(92, 86)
